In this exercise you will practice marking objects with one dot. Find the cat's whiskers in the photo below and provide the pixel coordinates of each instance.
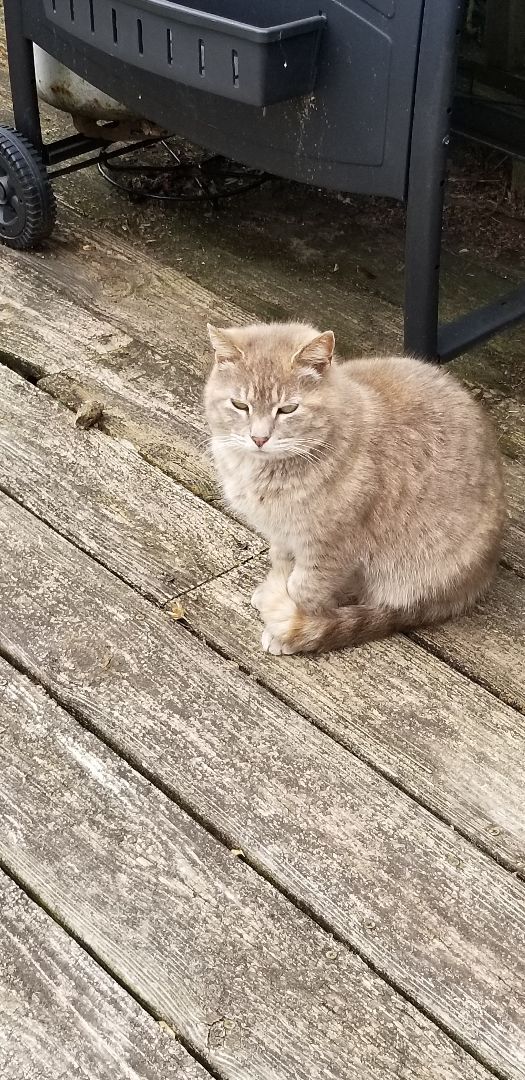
(303, 446)
(321, 449)
(314, 445)
(232, 439)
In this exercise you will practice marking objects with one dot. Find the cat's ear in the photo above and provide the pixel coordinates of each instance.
(315, 358)
(226, 352)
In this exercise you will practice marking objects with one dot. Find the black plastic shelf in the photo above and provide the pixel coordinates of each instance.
(209, 50)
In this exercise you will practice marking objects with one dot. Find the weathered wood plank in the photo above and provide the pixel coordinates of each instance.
(173, 325)
(61, 1015)
(157, 304)
(508, 414)
(68, 335)
(215, 951)
(267, 266)
(265, 259)
(151, 397)
(98, 492)
(400, 887)
(177, 450)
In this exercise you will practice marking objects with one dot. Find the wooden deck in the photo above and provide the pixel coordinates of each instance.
(215, 863)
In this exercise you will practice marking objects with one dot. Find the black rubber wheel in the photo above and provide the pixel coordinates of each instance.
(27, 203)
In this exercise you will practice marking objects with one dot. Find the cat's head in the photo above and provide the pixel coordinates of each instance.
(267, 392)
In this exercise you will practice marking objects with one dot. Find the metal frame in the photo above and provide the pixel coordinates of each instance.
(432, 123)
(26, 109)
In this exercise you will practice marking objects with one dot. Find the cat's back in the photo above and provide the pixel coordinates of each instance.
(403, 380)
(427, 438)
(402, 392)
(433, 457)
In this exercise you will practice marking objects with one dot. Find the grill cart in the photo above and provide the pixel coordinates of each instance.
(353, 95)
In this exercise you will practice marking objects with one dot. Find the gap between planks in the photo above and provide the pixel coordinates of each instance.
(451, 743)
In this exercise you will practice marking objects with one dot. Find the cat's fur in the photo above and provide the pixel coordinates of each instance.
(381, 495)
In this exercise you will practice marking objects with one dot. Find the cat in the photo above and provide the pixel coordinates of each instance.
(377, 483)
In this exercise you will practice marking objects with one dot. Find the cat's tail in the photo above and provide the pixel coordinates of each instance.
(291, 630)
(342, 627)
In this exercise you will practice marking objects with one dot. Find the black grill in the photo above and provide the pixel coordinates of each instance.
(254, 63)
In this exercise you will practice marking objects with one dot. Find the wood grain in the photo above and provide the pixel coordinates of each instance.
(444, 923)
(265, 263)
(265, 259)
(159, 305)
(68, 335)
(98, 492)
(61, 1015)
(159, 539)
(161, 438)
(214, 950)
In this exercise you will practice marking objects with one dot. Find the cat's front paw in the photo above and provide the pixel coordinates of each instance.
(279, 612)
(273, 645)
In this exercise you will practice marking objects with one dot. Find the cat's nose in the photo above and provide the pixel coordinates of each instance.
(260, 440)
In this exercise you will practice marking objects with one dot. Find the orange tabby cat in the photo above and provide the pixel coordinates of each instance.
(377, 483)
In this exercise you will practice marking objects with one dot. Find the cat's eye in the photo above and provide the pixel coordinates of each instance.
(286, 409)
(241, 405)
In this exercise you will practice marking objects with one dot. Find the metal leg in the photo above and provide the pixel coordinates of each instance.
(22, 75)
(424, 336)
(422, 263)
(426, 175)
(480, 325)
